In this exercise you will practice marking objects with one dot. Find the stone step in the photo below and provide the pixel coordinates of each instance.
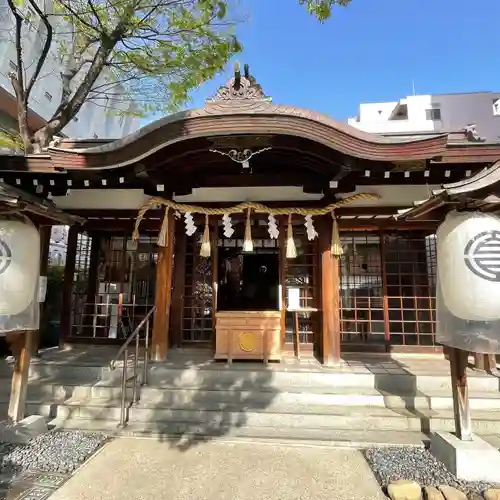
(296, 436)
(218, 376)
(317, 437)
(192, 419)
(319, 396)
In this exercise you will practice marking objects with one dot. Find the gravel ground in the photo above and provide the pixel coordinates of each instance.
(391, 464)
(55, 451)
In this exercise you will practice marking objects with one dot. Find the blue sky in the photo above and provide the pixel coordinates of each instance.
(368, 52)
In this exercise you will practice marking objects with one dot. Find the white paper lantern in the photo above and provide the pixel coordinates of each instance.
(468, 265)
(19, 266)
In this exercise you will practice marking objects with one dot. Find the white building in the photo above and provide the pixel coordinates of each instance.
(428, 113)
(93, 121)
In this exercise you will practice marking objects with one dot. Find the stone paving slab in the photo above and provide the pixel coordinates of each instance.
(148, 469)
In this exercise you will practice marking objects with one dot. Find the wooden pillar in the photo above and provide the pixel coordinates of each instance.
(69, 271)
(45, 232)
(214, 255)
(179, 285)
(485, 362)
(330, 295)
(163, 295)
(461, 406)
(21, 346)
(282, 276)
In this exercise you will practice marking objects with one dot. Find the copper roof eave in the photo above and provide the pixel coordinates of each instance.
(488, 178)
(422, 209)
(16, 198)
(248, 118)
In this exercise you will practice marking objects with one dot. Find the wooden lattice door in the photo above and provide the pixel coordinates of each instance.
(197, 325)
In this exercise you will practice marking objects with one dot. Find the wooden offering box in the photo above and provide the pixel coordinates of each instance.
(248, 335)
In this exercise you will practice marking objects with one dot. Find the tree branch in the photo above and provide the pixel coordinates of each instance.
(19, 51)
(45, 50)
(98, 19)
(66, 111)
(17, 81)
(77, 15)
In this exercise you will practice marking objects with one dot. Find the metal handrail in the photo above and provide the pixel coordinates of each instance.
(135, 377)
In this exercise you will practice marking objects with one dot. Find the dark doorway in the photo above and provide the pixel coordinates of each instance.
(248, 281)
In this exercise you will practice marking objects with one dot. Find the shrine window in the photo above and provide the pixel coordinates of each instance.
(388, 289)
(114, 284)
(301, 289)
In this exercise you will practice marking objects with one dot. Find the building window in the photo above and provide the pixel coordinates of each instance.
(496, 107)
(48, 96)
(13, 65)
(434, 113)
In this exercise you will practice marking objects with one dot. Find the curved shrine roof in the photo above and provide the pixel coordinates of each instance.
(254, 117)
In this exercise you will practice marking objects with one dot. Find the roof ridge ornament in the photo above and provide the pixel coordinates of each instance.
(240, 88)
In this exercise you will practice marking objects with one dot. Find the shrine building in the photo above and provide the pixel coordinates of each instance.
(252, 228)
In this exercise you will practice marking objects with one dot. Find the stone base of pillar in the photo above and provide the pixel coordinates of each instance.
(474, 460)
(26, 429)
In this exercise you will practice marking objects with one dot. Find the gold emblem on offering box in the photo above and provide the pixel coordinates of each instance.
(247, 342)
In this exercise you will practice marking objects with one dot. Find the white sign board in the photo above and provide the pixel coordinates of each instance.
(293, 298)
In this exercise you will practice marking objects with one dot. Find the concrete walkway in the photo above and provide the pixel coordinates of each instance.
(146, 469)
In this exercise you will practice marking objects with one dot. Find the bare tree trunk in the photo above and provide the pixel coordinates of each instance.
(43, 136)
(24, 132)
(22, 116)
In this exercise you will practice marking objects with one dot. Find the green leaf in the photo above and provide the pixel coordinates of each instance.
(11, 141)
(322, 9)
